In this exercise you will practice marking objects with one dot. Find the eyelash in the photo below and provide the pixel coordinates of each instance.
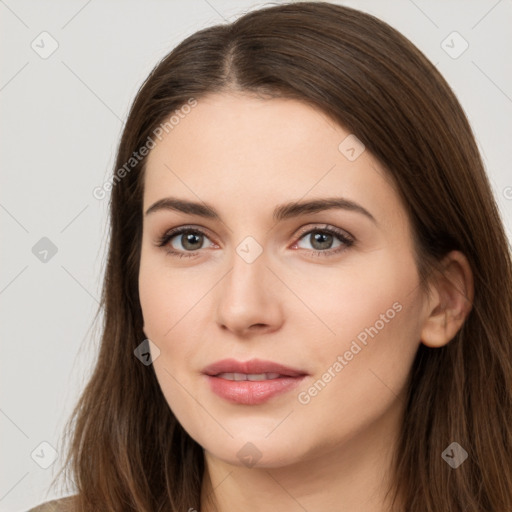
(342, 237)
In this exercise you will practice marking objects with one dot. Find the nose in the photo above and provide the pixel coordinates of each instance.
(248, 300)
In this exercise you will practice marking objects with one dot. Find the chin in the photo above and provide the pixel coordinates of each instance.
(257, 451)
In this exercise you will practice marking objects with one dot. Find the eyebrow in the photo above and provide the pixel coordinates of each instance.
(281, 212)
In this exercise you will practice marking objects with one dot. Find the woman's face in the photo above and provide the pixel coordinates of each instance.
(329, 293)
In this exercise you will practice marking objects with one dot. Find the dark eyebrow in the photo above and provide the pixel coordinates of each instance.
(294, 209)
(185, 206)
(281, 212)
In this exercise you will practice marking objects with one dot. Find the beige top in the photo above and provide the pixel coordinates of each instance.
(60, 505)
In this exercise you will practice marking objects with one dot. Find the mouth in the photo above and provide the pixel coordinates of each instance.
(253, 377)
(251, 382)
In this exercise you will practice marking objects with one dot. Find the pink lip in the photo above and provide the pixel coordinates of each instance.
(251, 392)
(252, 366)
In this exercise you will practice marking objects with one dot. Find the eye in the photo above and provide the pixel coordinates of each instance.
(326, 241)
(181, 240)
(185, 241)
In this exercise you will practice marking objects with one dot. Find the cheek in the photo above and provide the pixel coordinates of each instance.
(166, 295)
(153, 298)
(348, 300)
(360, 374)
(166, 303)
(173, 303)
(369, 318)
(374, 317)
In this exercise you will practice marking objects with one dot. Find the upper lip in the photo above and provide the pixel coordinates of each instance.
(254, 366)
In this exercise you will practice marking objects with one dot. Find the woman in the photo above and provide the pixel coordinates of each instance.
(308, 291)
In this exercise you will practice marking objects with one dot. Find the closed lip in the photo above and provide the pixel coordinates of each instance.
(253, 366)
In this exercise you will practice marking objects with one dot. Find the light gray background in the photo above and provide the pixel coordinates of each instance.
(61, 118)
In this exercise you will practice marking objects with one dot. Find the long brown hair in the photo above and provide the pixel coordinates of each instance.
(127, 450)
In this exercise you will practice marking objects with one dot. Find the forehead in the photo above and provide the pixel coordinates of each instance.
(262, 151)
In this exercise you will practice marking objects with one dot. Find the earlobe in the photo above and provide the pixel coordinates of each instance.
(450, 302)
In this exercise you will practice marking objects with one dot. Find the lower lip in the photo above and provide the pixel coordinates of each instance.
(252, 392)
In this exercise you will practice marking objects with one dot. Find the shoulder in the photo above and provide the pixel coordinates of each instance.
(58, 505)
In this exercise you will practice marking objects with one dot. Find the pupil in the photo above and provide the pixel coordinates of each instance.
(324, 239)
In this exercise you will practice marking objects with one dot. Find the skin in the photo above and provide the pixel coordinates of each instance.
(243, 156)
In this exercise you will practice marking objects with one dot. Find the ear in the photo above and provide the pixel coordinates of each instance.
(450, 300)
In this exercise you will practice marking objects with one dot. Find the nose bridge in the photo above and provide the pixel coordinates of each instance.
(246, 296)
(248, 270)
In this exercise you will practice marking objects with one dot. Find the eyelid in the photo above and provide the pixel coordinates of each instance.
(327, 227)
